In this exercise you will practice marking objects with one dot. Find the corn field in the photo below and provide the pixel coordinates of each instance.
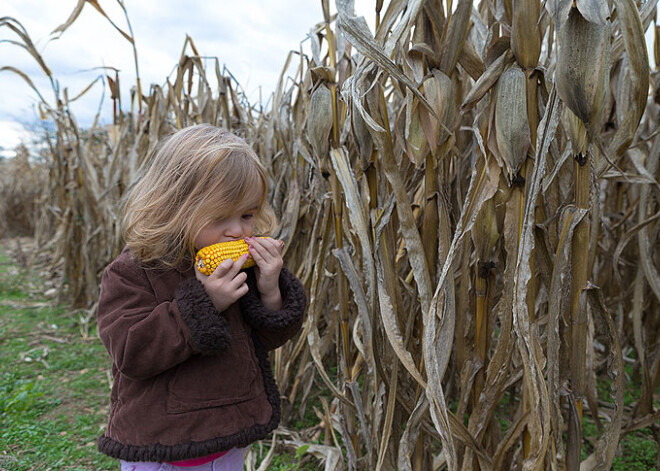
(471, 197)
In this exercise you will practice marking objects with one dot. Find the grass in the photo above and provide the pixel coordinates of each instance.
(55, 383)
(638, 452)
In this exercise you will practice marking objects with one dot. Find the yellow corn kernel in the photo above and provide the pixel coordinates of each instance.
(210, 257)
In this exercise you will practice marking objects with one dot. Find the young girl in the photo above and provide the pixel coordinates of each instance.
(192, 381)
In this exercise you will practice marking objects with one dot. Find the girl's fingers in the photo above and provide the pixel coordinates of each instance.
(265, 247)
(242, 290)
(261, 254)
(265, 242)
(222, 269)
(238, 264)
(240, 280)
(229, 267)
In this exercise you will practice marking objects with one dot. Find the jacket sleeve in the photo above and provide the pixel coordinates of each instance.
(145, 337)
(274, 328)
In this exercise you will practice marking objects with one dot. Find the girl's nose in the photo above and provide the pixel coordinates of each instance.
(234, 229)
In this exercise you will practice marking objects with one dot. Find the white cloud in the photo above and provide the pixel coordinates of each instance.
(252, 38)
(12, 134)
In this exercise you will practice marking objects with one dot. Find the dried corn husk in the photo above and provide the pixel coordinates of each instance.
(319, 120)
(485, 234)
(441, 93)
(511, 123)
(416, 142)
(583, 68)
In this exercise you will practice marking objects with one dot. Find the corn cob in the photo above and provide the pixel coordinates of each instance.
(210, 257)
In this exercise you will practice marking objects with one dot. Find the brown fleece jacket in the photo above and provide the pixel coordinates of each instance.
(188, 380)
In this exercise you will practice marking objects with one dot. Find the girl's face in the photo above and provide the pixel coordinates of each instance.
(236, 225)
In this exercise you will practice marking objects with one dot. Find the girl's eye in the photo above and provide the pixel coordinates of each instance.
(248, 216)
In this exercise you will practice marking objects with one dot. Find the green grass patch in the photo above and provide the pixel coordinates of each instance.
(638, 453)
(53, 384)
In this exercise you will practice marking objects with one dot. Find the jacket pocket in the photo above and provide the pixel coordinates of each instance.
(206, 381)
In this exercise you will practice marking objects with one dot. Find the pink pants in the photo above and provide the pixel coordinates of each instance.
(232, 461)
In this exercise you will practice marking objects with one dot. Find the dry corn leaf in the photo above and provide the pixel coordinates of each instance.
(606, 447)
(410, 434)
(439, 331)
(645, 244)
(509, 441)
(559, 10)
(76, 12)
(459, 24)
(539, 426)
(358, 218)
(404, 25)
(641, 423)
(486, 81)
(357, 33)
(25, 43)
(354, 388)
(408, 225)
(85, 90)
(384, 271)
(637, 76)
(415, 61)
(461, 433)
(594, 11)
(359, 86)
(389, 417)
(362, 136)
(27, 79)
(483, 185)
(637, 313)
(656, 44)
(471, 61)
(499, 366)
(330, 455)
(559, 309)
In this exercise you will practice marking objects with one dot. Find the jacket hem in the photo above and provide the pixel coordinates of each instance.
(159, 453)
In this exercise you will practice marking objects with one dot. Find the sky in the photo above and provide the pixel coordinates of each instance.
(252, 38)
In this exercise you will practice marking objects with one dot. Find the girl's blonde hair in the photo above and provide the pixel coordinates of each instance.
(197, 175)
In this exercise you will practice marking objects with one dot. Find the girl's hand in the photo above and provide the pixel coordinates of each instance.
(267, 254)
(226, 284)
